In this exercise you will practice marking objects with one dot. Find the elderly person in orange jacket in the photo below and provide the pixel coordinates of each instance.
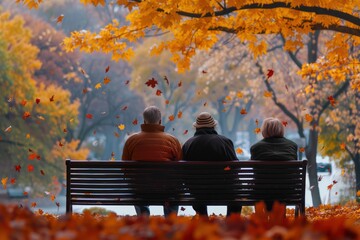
(152, 143)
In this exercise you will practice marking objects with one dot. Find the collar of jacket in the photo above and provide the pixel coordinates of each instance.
(203, 131)
(274, 139)
(152, 128)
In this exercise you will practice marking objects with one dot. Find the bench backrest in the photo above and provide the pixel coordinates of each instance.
(184, 183)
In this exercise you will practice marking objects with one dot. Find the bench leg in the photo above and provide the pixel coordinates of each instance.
(296, 211)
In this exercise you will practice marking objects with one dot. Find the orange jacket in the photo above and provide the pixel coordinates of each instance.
(152, 143)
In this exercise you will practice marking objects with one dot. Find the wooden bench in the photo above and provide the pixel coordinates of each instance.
(159, 183)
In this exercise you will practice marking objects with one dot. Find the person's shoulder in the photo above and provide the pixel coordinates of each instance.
(170, 136)
(291, 142)
(257, 144)
(133, 136)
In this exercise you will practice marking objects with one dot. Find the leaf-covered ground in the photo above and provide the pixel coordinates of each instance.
(325, 222)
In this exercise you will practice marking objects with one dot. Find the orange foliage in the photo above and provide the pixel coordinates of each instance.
(326, 222)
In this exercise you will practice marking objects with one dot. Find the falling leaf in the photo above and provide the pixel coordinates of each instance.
(243, 111)
(98, 85)
(166, 80)
(17, 168)
(151, 83)
(52, 197)
(329, 187)
(308, 117)
(204, 72)
(167, 101)
(158, 92)
(26, 115)
(40, 211)
(107, 69)
(180, 84)
(42, 172)
(85, 90)
(239, 150)
(332, 101)
(106, 80)
(285, 123)
(270, 73)
(257, 122)
(23, 102)
(124, 108)
(58, 205)
(267, 94)
(121, 127)
(171, 118)
(89, 116)
(30, 168)
(135, 122)
(342, 172)
(185, 132)
(358, 193)
(320, 178)
(182, 209)
(227, 168)
(343, 146)
(52, 98)
(34, 156)
(116, 134)
(60, 18)
(8, 129)
(127, 82)
(4, 182)
(301, 149)
(205, 103)
(12, 181)
(287, 88)
(335, 182)
(257, 130)
(179, 115)
(65, 130)
(37, 100)
(239, 95)
(33, 204)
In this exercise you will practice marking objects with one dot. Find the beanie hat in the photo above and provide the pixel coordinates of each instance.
(204, 120)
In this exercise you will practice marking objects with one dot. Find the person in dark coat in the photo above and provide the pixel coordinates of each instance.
(274, 146)
(208, 145)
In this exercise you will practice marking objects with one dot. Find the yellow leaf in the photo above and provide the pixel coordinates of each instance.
(121, 127)
(28, 136)
(239, 95)
(98, 85)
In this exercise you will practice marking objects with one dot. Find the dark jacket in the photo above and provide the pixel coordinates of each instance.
(208, 145)
(276, 148)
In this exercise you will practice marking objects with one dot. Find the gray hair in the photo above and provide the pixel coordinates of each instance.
(272, 127)
(152, 115)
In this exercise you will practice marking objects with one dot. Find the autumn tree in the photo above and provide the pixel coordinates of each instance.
(30, 109)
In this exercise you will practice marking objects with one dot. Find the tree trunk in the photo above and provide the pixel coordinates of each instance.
(311, 151)
(356, 161)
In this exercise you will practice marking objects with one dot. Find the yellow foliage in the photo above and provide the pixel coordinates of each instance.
(69, 151)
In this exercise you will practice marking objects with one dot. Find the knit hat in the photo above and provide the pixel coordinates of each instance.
(204, 120)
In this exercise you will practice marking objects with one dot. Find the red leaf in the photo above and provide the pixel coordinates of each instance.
(23, 102)
(89, 116)
(124, 108)
(180, 84)
(179, 115)
(335, 182)
(26, 115)
(270, 73)
(185, 132)
(127, 82)
(158, 92)
(17, 168)
(65, 130)
(37, 100)
(204, 72)
(227, 168)
(60, 18)
(135, 122)
(107, 69)
(85, 90)
(42, 172)
(284, 123)
(243, 111)
(151, 83)
(12, 181)
(30, 168)
(33, 156)
(52, 98)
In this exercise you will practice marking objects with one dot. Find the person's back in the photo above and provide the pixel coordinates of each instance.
(208, 145)
(152, 144)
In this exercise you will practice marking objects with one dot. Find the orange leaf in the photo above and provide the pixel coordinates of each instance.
(33, 156)
(257, 130)
(301, 149)
(40, 211)
(243, 111)
(23, 102)
(60, 18)
(151, 83)
(179, 115)
(267, 94)
(26, 115)
(257, 122)
(4, 182)
(52, 197)
(308, 117)
(171, 118)
(25, 193)
(106, 80)
(116, 134)
(227, 168)
(89, 116)
(158, 92)
(30, 168)
(239, 150)
(329, 187)
(33, 204)
(343, 146)
(358, 193)
(167, 101)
